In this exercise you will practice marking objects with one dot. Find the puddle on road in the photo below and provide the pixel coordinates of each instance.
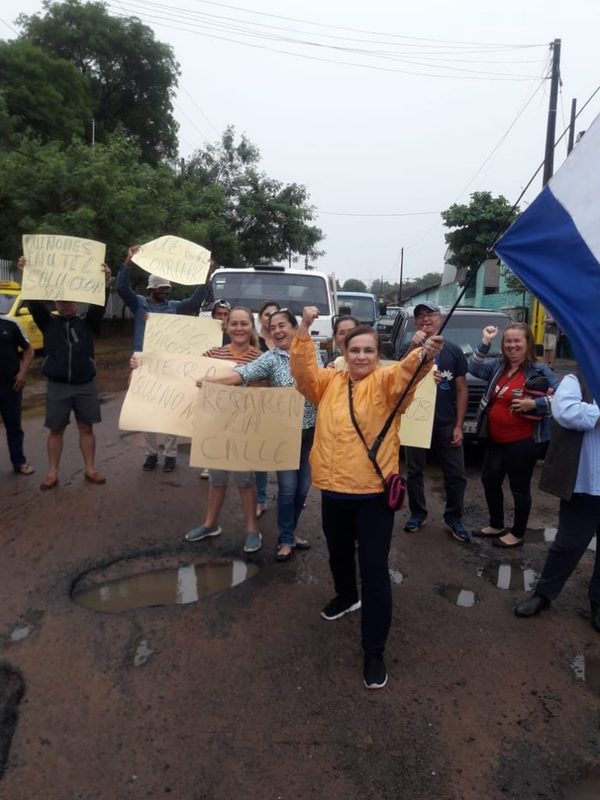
(509, 575)
(464, 598)
(165, 587)
(585, 788)
(586, 669)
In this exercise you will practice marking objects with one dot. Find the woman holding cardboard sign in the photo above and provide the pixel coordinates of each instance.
(293, 485)
(354, 405)
(241, 349)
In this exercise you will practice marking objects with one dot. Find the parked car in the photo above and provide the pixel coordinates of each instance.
(291, 288)
(464, 329)
(361, 305)
(13, 307)
(385, 323)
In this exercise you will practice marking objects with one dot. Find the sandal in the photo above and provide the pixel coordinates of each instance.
(489, 533)
(281, 556)
(24, 469)
(301, 544)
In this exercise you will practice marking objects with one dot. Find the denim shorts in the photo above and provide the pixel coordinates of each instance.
(220, 477)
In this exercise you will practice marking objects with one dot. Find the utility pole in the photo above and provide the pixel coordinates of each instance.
(401, 271)
(537, 310)
(571, 141)
(93, 135)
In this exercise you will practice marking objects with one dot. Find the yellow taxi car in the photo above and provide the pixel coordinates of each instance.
(13, 307)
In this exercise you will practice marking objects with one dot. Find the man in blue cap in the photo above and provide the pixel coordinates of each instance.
(447, 434)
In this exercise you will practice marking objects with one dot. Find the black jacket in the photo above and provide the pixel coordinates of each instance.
(68, 342)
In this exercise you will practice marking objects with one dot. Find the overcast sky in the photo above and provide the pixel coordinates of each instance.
(403, 129)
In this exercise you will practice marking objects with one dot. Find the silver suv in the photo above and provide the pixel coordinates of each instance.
(464, 329)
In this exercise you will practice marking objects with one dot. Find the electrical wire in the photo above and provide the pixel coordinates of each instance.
(334, 27)
(508, 216)
(488, 158)
(200, 110)
(208, 31)
(241, 24)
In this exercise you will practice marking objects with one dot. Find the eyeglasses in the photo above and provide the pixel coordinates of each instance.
(279, 311)
(222, 304)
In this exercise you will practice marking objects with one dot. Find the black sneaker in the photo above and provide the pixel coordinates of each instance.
(170, 464)
(337, 607)
(374, 673)
(150, 463)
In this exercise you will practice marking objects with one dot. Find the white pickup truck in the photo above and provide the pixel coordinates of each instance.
(291, 288)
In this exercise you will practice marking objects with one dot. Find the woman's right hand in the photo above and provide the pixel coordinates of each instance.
(432, 346)
(488, 333)
(309, 315)
(21, 263)
(134, 362)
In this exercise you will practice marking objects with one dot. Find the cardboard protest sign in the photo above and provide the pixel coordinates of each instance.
(178, 333)
(162, 394)
(175, 259)
(241, 429)
(63, 268)
(416, 424)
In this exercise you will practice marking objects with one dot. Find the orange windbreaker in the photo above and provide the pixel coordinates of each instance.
(338, 458)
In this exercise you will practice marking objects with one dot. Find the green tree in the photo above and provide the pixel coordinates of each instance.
(106, 194)
(270, 220)
(513, 284)
(131, 77)
(475, 227)
(354, 285)
(45, 95)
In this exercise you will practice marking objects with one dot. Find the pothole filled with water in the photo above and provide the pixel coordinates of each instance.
(585, 788)
(512, 575)
(164, 587)
(465, 598)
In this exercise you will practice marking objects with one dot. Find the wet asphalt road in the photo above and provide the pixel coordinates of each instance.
(248, 692)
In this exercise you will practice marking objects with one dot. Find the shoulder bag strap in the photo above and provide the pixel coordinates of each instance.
(372, 458)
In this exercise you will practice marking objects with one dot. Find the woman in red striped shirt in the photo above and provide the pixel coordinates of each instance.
(242, 349)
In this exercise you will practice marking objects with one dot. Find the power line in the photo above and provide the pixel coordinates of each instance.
(215, 129)
(8, 25)
(479, 75)
(344, 28)
(488, 158)
(243, 23)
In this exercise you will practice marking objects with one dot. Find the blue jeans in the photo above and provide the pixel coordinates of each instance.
(293, 487)
(261, 488)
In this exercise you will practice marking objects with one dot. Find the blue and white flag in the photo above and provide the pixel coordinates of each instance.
(554, 249)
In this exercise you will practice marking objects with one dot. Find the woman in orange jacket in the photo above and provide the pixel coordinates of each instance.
(354, 510)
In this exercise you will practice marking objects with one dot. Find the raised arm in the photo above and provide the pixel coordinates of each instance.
(191, 304)
(311, 379)
(95, 313)
(396, 378)
(478, 366)
(38, 308)
(126, 293)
